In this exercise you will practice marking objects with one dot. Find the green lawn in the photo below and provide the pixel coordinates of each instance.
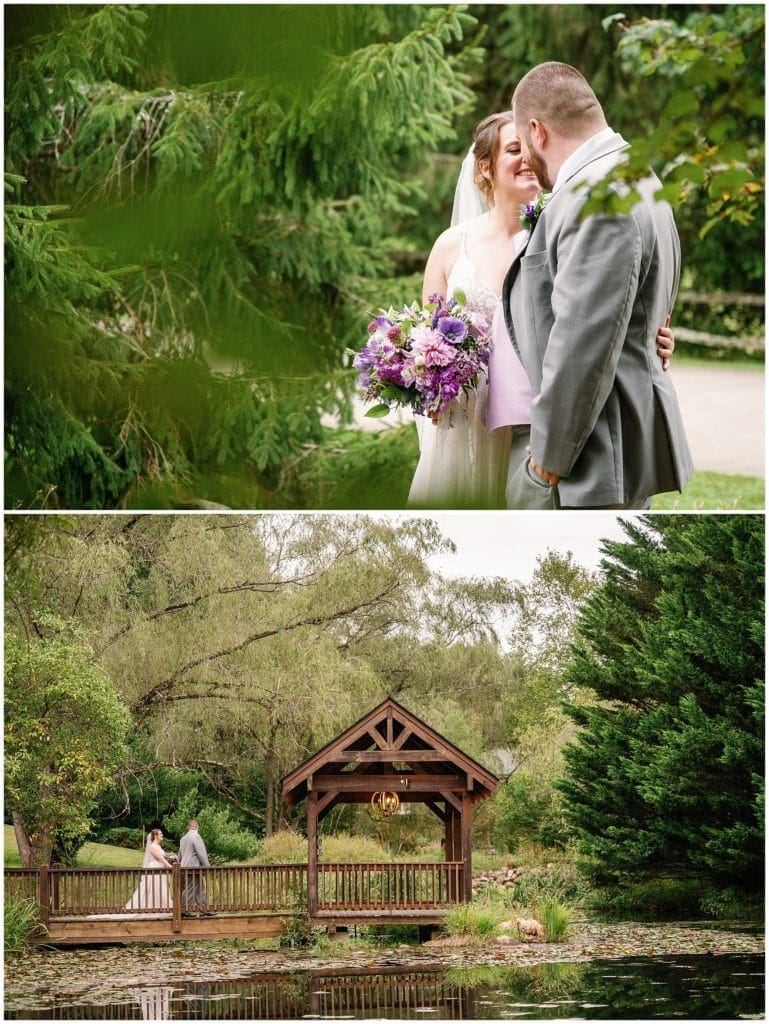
(715, 491)
(92, 855)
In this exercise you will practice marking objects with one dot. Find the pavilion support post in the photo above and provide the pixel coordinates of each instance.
(312, 853)
(449, 835)
(467, 845)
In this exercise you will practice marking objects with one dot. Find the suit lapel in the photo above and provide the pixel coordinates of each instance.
(507, 287)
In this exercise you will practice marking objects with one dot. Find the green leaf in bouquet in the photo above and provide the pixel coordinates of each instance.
(377, 410)
(460, 296)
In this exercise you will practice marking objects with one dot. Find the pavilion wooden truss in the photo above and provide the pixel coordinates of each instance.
(392, 750)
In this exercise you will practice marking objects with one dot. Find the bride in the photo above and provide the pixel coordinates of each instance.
(461, 463)
(152, 891)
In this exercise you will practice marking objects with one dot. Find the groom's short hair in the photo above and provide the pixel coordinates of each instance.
(559, 96)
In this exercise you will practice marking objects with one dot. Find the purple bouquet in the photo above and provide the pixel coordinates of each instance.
(422, 358)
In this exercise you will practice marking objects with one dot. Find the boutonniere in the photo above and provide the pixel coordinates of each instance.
(530, 211)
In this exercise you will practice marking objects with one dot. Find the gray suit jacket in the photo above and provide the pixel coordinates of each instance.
(583, 303)
(192, 851)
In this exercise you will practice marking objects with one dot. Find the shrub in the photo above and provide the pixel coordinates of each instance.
(126, 838)
(289, 847)
(346, 849)
(473, 920)
(731, 903)
(652, 900)
(225, 839)
(21, 921)
(561, 883)
(529, 809)
(555, 918)
(284, 847)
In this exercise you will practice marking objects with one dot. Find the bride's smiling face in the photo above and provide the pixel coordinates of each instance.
(511, 173)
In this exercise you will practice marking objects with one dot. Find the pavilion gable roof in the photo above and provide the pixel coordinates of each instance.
(388, 739)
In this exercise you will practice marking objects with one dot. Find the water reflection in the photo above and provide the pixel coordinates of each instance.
(640, 988)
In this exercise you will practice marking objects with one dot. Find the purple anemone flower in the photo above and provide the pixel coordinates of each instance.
(452, 329)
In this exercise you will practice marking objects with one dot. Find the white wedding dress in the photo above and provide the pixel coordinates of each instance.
(152, 892)
(461, 464)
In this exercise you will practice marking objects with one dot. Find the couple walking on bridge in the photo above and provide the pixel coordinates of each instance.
(153, 890)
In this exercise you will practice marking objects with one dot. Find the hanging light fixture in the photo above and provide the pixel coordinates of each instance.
(385, 802)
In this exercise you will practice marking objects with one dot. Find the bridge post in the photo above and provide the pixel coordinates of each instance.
(45, 895)
(176, 901)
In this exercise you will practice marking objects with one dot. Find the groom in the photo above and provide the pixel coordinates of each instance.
(582, 303)
(193, 855)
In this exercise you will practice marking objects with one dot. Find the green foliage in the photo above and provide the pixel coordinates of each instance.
(559, 882)
(653, 899)
(666, 772)
(289, 847)
(283, 847)
(529, 810)
(20, 922)
(555, 918)
(191, 229)
(345, 848)
(65, 733)
(473, 920)
(709, 137)
(129, 838)
(225, 839)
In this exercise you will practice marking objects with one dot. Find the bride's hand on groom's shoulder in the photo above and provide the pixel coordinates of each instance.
(666, 344)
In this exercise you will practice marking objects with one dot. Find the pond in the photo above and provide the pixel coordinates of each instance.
(693, 987)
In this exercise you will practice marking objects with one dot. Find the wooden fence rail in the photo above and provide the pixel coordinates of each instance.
(81, 892)
(696, 337)
(414, 886)
(86, 892)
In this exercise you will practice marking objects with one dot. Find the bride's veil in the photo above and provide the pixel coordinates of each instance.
(149, 860)
(468, 198)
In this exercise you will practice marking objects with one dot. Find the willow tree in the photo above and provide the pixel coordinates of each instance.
(196, 198)
(233, 640)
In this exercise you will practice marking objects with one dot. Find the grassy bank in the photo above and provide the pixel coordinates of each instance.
(715, 491)
(90, 855)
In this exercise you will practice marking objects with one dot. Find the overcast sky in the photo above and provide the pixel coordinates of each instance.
(509, 543)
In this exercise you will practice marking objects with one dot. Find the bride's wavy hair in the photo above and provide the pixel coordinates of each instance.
(486, 146)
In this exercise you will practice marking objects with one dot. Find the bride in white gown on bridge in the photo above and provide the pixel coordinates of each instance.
(461, 463)
(152, 892)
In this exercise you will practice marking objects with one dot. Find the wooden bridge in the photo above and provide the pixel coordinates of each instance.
(82, 905)
(389, 758)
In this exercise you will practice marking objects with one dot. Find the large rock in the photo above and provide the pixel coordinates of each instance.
(529, 929)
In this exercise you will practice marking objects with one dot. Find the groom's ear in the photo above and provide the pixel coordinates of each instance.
(538, 132)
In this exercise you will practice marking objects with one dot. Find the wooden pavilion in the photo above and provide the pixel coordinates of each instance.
(387, 758)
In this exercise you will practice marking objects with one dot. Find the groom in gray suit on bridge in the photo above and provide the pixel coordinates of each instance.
(582, 304)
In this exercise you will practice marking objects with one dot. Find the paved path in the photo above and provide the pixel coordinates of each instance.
(722, 408)
(723, 412)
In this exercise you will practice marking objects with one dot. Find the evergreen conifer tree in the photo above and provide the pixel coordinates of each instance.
(197, 198)
(665, 776)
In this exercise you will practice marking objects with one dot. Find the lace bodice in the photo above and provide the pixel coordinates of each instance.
(466, 277)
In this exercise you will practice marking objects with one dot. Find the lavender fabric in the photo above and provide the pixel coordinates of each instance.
(510, 393)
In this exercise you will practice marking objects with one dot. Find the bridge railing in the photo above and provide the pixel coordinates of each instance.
(410, 886)
(78, 892)
(82, 892)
